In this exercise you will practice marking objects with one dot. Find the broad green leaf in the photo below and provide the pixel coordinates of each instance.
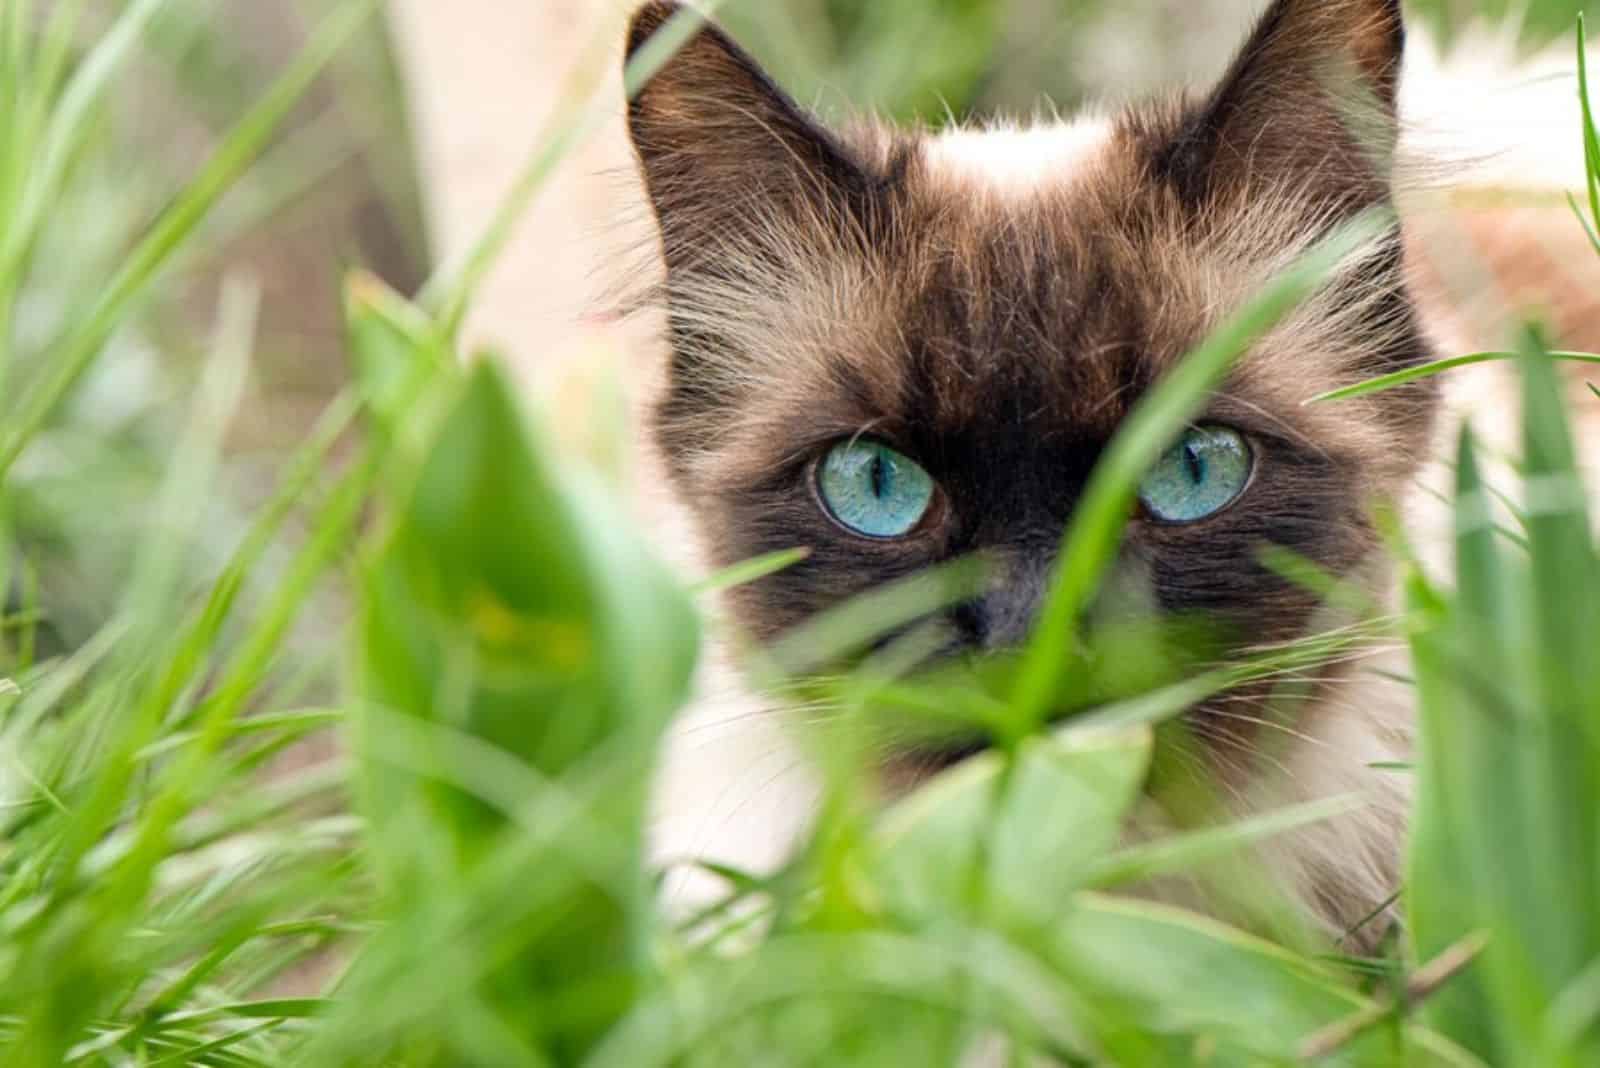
(518, 610)
(1022, 837)
(831, 998)
(1164, 971)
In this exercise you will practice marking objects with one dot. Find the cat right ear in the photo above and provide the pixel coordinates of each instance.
(1310, 103)
(731, 164)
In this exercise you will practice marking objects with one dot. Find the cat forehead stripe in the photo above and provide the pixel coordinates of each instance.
(1018, 161)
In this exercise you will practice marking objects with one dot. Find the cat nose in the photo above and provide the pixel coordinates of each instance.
(992, 622)
(1002, 617)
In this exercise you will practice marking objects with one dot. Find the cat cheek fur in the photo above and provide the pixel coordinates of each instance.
(997, 326)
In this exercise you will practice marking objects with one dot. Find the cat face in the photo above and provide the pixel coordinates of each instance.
(896, 348)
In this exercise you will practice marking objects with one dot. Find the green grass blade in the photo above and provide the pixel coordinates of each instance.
(1561, 778)
(749, 571)
(239, 679)
(56, 47)
(1467, 801)
(69, 125)
(203, 1052)
(855, 625)
(1583, 220)
(1097, 522)
(1412, 374)
(150, 599)
(77, 350)
(449, 292)
(1184, 852)
(1591, 138)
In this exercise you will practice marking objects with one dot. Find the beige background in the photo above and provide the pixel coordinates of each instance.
(488, 79)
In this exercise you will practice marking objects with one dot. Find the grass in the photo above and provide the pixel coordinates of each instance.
(464, 881)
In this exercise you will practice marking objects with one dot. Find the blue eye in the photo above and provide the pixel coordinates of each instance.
(1199, 476)
(873, 490)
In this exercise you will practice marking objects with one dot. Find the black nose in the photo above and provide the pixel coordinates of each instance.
(1002, 616)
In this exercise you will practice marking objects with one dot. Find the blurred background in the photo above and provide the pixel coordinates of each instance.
(402, 155)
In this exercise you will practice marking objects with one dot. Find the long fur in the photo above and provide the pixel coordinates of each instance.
(991, 299)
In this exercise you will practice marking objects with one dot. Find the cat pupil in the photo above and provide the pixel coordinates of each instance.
(880, 476)
(1196, 465)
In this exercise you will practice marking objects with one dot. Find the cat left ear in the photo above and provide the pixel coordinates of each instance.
(1310, 103)
(727, 157)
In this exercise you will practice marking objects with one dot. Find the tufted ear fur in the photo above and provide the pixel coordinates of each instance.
(729, 159)
(1308, 106)
(765, 218)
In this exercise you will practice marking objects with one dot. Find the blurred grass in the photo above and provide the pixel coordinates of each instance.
(938, 60)
(311, 205)
(1541, 20)
(468, 884)
(338, 190)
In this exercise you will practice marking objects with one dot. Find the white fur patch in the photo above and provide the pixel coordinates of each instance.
(1014, 160)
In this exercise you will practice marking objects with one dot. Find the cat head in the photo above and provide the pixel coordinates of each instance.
(895, 348)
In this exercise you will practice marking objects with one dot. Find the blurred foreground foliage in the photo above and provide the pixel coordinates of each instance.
(937, 60)
(465, 882)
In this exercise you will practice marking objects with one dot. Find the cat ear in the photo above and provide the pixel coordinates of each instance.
(727, 157)
(1310, 103)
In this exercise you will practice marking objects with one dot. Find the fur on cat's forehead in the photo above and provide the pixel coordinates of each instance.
(1034, 279)
(1017, 160)
(821, 282)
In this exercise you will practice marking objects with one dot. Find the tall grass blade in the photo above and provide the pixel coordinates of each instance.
(1591, 137)
(1412, 374)
(449, 293)
(69, 125)
(76, 351)
(504, 605)
(1097, 522)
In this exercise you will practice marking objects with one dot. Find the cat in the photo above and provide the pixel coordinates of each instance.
(897, 347)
